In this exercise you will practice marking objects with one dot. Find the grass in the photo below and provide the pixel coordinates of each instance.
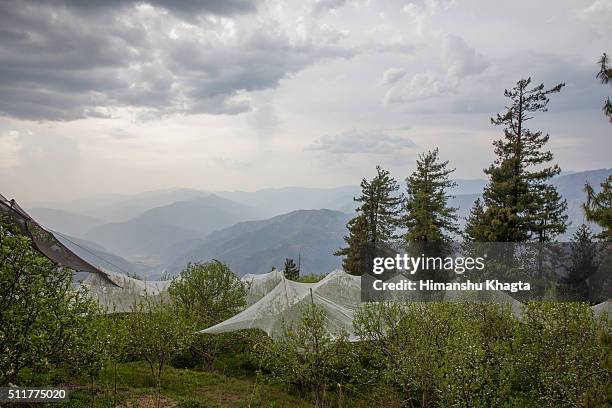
(182, 388)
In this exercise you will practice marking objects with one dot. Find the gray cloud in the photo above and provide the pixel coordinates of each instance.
(354, 141)
(75, 61)
(322, 6)
(392, 75)
(183, 8)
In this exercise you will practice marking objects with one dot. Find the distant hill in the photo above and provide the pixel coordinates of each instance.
(283, 200)
(150, 234)
(256, 246)
(69, 223)
(121, 207)
(205, 226)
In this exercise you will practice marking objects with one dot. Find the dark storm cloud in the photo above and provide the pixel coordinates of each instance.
(183, 8)
(70, 60)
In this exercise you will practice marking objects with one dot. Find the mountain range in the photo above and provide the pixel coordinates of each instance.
(161, 231)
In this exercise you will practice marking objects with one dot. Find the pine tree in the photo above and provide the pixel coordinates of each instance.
(520, 203)
(598, 208)
(428, 216)
(291, 270)
(549, 213)
(582, 263)
(381, 206)
(356, 240)
(605, 76)
(376, 220)
(475, 227)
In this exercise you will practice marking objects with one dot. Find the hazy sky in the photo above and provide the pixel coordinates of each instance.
(113, 96)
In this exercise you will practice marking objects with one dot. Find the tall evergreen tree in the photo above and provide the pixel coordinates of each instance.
(520, 203)
(290, 270)
(598, 207)
(605, 76)
(549, 217)
(381, 206)
(376, 221)
(356, 240)
(475, 230)
(428, 216)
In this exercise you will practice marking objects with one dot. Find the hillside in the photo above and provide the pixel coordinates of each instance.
(256, 246)
(150, 234)
(67, 222)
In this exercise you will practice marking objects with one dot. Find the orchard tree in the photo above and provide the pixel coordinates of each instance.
(428, 216)
(520, 203)
(290, 270)
(206, 294)
(158, 331)
(42, 317)
(376, 221)
(305, 353)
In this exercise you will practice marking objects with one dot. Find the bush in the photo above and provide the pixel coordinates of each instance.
(44, 321)
(207, 294)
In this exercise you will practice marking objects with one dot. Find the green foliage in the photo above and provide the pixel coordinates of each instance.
(312, 278)
(157, 331)
(377, 219)
(520, 203)
(356, 240)
(479, 355)
(598, 208)
(43, 320)
(290, 270)
(475, 230)
(208, 292)
(205, 295)
(306, 355)
(562, 358)
(428, 216)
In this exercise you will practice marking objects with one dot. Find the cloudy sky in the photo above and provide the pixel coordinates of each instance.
(117, 96)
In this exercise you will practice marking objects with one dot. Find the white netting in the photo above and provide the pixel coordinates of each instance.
(339, 294)
(127, 292)
(258, 286)
(273, 300)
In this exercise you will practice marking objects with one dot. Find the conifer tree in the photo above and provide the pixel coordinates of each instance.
(520, 203)
(475, 229)
(549, 217)
(598, 207)
(380, 205)
(291, 270)
(428, 216)
(605, 76)
(356, 240)
(376, 220)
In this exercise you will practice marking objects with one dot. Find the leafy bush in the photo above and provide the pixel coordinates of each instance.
(44, 321)
(156, 333)
(207, 294)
